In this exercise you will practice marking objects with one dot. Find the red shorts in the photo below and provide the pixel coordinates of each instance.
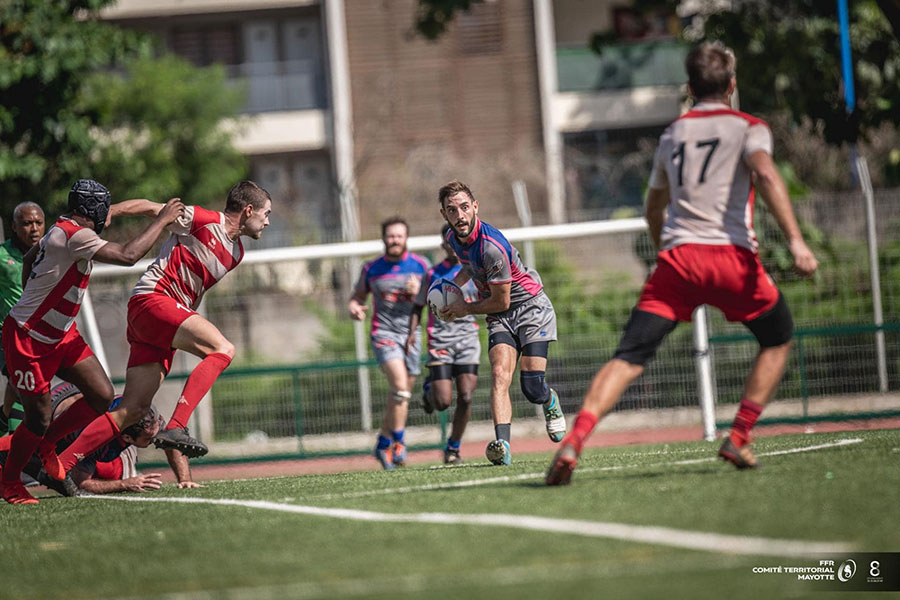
(32, 364)
(731, 278)
(153, 320)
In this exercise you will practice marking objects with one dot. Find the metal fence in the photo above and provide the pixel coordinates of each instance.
(296, 375)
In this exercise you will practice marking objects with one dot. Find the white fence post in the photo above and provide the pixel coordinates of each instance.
(703, 366)
(862, 170)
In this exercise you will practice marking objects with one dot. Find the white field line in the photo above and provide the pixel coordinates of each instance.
(528, 476)
(665, 536)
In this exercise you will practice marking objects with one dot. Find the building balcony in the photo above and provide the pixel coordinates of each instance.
(621, 66)
(280, 86)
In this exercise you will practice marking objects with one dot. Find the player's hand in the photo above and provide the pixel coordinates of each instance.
(805, 262)
(183, 485)
(173, 209)
(143, 483)
(454, 311)
(413, 284)
(358, 311)
(410, 343)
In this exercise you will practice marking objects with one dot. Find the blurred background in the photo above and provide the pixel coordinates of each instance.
(351, 111)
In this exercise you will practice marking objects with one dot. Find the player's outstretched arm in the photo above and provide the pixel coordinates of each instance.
(132, 252)
(135, 207)
(775, 195)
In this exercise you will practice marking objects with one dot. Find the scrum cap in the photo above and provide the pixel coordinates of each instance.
(90, 199)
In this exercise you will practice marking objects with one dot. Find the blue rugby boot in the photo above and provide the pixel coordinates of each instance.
(498, 452)
(556, 420)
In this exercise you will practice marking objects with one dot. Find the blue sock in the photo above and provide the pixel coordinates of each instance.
(502, 431)
(452, 444)
(398, 435)
(383, 442)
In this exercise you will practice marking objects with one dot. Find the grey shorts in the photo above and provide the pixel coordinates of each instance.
(387, 347)
(532, 321)
(464, 352)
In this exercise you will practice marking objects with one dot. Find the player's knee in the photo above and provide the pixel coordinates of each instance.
(227, 348)
(534, 386)
(464, 398)
(500, 377)
(775, 327)
(442, 401)
(400, 396)
(643, 335)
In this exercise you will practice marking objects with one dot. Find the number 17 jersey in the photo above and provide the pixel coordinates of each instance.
(702, 159)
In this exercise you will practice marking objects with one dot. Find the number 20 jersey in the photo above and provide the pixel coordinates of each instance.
(702, 159)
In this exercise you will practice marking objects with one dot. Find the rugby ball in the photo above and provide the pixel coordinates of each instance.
(441, 293)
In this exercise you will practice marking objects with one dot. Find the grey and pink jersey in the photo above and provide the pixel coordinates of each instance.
(491, 259)
(444, 333)
(702, 159)
(387, 281)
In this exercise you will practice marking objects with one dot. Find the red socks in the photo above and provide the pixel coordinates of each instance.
(74, 418)
(100, 431)
(198, 384)
(23, 444)
(584, 424)
(746, 418)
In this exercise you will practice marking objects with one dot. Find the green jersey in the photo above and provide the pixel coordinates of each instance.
(11, 259)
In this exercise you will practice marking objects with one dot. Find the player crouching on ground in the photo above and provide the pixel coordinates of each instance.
(113, 466)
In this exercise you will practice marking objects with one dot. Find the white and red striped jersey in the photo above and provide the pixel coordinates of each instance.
(59, 277)
(702, 159)
(196, 256)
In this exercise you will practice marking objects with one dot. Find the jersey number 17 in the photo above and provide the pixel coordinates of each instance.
(678, 158)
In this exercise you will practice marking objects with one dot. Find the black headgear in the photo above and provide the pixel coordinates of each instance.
(90, 199)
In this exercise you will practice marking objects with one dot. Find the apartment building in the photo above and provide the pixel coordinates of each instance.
(350, 116)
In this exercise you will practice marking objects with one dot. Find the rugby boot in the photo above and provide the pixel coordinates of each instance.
(565, 461)
(398, 454)
(452, 457)
(383, 455)
(742, 458)
(50, 461)
(426, 401)
(179, 439)
(498, 452)
(556, 420)
(66, 487)
(15, 493)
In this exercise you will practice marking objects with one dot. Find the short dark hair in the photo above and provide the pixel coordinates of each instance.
(393, 221)
(453, 188)
(245, 193)
(710, 67)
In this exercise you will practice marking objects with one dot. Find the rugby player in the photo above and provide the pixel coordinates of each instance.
(699, 211)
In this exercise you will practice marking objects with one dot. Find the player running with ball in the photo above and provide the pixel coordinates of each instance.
(520, 318)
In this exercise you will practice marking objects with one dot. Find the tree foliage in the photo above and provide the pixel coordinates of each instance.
(162, 133)
(434, 16)
(64, 105)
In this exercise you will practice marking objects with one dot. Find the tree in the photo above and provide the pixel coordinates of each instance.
(789, 59)
(434, 16)
(162, 133)
(63, 110)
